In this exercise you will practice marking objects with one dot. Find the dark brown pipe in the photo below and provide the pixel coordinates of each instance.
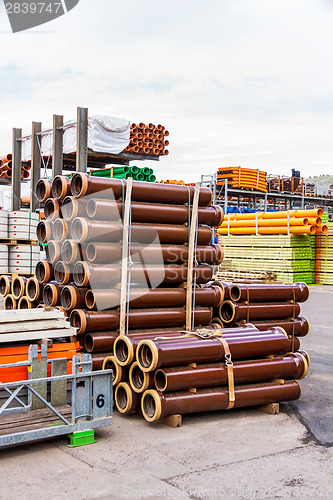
(19, 287)
(53, 251)
(63, 273)
(44, 231)
(52, 209)
(157, 405)
(162, 214)
(154, 354)
(5, 285)
(51, 294)
(72, 208)
(83, 184)
(61, 187)
(181, 378)
(140, 381)
(34, 289)
(10, 303)
(95, 321)
(44, 271)
(72, 252)
(101, 299)
(98, 360)
(60, 230)
(73, 297)
(92, 275)
(154, 254)
(299, 327)
(231, 311)
(99, 341)
(125, 346)
(110, 232)
(127, 401)
(25, 303)
(119, 373)
(269, 292)
(43, 190)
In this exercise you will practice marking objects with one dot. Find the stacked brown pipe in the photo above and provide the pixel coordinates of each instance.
(148, 139)
(82, 273)
(20, 292)
(6, 164)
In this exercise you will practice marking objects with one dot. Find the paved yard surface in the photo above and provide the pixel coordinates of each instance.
(236, 454)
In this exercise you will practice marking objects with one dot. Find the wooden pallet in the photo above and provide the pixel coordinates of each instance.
(11, 241)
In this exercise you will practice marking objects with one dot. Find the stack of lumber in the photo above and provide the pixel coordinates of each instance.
(148, 139)
(284, 222)
(324, 257)
(6, 168)
(243, 178)
(82, 272)
(226, 274)
(290, 258)
(137, 173)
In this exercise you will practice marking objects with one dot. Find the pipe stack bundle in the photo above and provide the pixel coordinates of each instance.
(82, 273)
(179, 373)
(20, 292)
(287, 222)
(265, 306)
(324, 257)
(137, 173)
(243, 178)
(6, 165)
(148, 139)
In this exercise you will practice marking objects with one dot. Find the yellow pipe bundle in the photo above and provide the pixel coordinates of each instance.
(245, 178)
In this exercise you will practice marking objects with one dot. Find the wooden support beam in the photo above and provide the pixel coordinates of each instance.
(172, 421)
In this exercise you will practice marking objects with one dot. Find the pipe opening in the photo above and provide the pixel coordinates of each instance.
(75, 320)
(145, 356)
(90, 299)
(48, 295)
(227, 312)
(57, 187)
(121, 397)
(49, 209)
(41, 232)
(110, 365)
(40, 271)
(3, 285)
(9, 303)
(137, 376)
(41, 190)
(51, 252)
(77, 185)
(160, 380)
(24, 304)
(235, 293)
(59, 229)
(66, 298)
(79, 273)
(32, 289)
(91, 252)
(89, 343)
(121, 350)
(60, 272)
(91, 208)
(67, 251)
(149, 405)
(77, 229)
(67, 208)
(17, 288)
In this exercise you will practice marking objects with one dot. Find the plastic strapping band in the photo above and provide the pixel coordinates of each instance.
(294, 311)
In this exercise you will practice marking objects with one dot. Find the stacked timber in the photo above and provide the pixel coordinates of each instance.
(148, 139)
(324, 257)
(83, 272)
(289, 258)
(242, 178)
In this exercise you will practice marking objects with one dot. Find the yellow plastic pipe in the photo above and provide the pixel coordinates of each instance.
(266, 223)
(278, 215)
(269, 230)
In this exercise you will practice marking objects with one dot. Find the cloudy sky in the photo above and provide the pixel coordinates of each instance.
(236, 82)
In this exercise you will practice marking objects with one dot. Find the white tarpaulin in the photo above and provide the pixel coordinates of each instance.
(106, 134)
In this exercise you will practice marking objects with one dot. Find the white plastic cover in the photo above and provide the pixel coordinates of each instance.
(106, 134)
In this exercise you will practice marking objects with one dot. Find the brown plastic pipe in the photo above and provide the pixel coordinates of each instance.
(119, 374)
(154, 254)
(72, 252)
(63, 273)
(5, 285)
(90, 230)
(52, 209)
(99, 341)
(34, 289)
(73, 297)
(25, 303)
(51, 294)
(231, 311)
(140, 381)
(162, 214)
(181, 378)
(83, 184)
(10, 303)
(94, 321)
(299, 326)
(43, 190)
(44, 271)
(127, 401)
(72, 208)
(53, 251)
(19, 287)
(60, 230)
(269, 292)
(92, 275)
(156, 405)
(61, 187)
(154, 354)
(98, 360)
(44, 231)
(160, 297)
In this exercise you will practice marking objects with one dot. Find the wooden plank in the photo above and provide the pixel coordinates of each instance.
(189, 282)
(27, 326)
(124, 262)
(172, 421)
(271, 408)
(26, 336)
